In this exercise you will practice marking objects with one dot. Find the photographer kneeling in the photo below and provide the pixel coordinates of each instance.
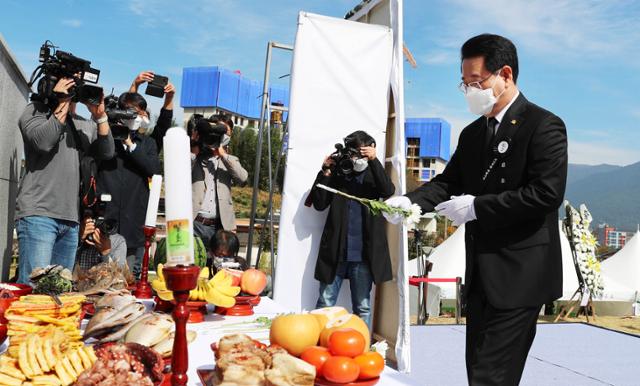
(99, 244)
(354, 242)
(55, 139)
(213, 171)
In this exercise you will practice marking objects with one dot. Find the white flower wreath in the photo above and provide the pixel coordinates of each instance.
(585, 247)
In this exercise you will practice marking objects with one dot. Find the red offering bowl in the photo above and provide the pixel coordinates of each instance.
(243, 307)
(3, 333)
(368, 382)
(197, 310)
(24, 289)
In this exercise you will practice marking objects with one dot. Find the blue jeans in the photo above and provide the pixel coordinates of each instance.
(134, 261)
(360, 282)
(43, 241)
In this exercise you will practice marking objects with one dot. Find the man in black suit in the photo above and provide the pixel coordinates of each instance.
(506, 181)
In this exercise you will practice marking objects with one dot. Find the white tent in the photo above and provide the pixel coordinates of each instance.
(449, 261)
(621, 271)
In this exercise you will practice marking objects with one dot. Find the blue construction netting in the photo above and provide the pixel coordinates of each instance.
(228, 90)
(434, 135)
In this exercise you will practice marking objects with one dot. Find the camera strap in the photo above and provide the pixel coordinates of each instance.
(88, 169)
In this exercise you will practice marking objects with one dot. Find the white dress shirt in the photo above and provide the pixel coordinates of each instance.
(502, 112)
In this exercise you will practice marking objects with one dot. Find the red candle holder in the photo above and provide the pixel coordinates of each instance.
(180, 279)
(143, 289)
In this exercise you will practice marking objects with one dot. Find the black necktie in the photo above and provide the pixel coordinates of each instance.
(491, 132)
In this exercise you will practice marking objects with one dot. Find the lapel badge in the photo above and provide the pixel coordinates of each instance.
(503, 146)
(513, 121)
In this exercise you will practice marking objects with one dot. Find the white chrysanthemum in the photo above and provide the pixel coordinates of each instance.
(414, 217)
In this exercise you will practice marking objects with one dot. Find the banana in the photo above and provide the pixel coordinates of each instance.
(216, 298)
(165, 295)
(221, 278)
(39, 354)
(229, 291)
(204, 273)
(159, 272)
(31, 354)
(159, 285)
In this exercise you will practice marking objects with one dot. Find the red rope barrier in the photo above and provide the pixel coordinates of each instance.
(415, 281)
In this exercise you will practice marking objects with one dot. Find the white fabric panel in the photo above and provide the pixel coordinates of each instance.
(621, 271)
(339, 84)
(390, 12)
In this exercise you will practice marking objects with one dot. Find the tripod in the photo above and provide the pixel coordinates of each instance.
(424, 267)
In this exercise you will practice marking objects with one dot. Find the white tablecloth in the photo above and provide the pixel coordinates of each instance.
(213, 328)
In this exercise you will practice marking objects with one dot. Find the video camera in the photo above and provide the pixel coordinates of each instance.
(96, 212)
(210, 133)
(59, 64)
(343, 158)
(118, 117)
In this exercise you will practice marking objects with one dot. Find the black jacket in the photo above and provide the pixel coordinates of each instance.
(162, 125)
(126, 178)
(514, 243)
(375, 251)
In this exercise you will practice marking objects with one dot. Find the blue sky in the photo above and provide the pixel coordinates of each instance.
(579, 59)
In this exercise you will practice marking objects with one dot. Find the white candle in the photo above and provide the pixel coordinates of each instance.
(154, 200)
(177, 197)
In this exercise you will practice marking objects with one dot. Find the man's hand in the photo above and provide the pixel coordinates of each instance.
(63, 86)
(101, 242)
(87, 228)
(169, 92)
(97, 111)
(128, 142)
(401, 202)
(459, 209)
(219, 152)
(369, 152)
(327, 165)
(144, 76)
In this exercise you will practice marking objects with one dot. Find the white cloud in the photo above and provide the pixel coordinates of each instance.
(73, 23)
(561, 29)
(595, 153)
(438, 57)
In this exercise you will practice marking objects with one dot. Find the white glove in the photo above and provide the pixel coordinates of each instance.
(401, 202)
(459, 209)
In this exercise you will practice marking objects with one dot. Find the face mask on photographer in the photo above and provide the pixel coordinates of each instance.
(360, 165)
(225, 140)
(139, 122)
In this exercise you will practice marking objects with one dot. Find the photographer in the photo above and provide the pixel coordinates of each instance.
(166, 112)
(354, 242)
(213, 171)
(126, 178)
(97, 247)
(47, 206)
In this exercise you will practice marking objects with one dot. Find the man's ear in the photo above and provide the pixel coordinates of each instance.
(507, 73)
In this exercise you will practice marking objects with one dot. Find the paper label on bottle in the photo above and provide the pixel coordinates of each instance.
(178, 242)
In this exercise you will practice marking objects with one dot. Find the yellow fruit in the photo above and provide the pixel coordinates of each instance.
(213, 296)
(294, 332)
(158, 285)
(221, 278)
(204, 273)
(229, 291)
(165, 295)
(159, 272)
(324, 315)
(346, 321)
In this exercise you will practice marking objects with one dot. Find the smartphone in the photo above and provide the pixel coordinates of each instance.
(156, 86)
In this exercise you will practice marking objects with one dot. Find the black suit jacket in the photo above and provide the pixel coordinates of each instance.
(126, 178)
(514, 244)
(375, 184)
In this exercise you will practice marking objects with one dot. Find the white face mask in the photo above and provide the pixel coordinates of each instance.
(138, 122)
(225, 140)
(360, 165)
(481, 101)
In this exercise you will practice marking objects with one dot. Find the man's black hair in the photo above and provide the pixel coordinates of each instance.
(496, 50)
(132, 99)
(225, 240)
(359, 138)
(222, 118)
